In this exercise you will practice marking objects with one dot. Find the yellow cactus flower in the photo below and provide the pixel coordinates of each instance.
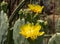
(35, 8)
(31, 31)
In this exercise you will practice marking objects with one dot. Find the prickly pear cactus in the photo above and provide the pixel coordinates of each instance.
(18, 39)
(3, 26)
(57, 26)
(55, 39)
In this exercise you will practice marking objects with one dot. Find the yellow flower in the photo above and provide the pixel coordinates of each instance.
(35, 8)
(31, 31)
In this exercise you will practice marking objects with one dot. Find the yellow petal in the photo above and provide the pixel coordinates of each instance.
(37, 27)
(41, 33)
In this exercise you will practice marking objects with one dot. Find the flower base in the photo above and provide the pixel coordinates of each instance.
(39, 40)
